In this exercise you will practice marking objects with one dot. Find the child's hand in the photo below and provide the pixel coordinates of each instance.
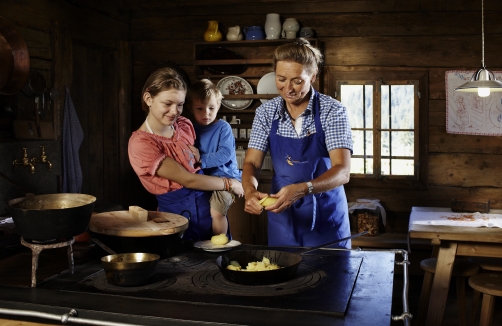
(195, 152)
(236, 187)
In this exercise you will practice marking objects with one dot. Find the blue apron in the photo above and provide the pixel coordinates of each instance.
(313, 219)
(192, 204)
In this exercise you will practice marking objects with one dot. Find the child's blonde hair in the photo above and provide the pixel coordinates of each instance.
(202, 90)
(160, 80)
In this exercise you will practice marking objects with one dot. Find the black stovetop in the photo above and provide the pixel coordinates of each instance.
(332, 287)
(323, 284)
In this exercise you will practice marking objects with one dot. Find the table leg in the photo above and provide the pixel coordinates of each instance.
(441, 283)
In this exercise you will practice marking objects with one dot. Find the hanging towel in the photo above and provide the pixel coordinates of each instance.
(72, 138)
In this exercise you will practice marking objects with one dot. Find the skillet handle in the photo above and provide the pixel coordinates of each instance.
(103, 246)
(331, 243)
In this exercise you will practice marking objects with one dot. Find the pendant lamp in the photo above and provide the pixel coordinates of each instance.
(483, 81)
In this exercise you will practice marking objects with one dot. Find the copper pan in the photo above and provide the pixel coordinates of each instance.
(14, 59)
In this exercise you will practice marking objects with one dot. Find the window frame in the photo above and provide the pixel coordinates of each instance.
(334, 79)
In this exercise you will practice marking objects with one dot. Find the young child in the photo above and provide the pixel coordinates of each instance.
(161, 155)
(216, 145)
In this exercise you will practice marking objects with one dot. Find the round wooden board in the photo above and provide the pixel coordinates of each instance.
(121, 223)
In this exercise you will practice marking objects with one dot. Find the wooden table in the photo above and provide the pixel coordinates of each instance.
(451, 241)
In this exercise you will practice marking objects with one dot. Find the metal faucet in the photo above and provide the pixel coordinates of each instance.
(43, 159)
(25, 161)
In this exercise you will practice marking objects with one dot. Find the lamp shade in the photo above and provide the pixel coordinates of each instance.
(483, 79)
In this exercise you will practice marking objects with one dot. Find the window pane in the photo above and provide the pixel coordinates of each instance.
(385, 167)
(385, 106)
(399, 167)
(357, 166)
(403, 143)
(385, 141)
(369, 166)
(402, 106)
(360, 112)
(361, 137)
(369, 105)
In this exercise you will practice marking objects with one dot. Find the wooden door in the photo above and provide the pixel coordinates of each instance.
(100, 92)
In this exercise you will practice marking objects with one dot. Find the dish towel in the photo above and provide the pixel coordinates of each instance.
(73, 135)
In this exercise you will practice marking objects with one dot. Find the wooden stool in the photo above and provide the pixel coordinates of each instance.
(486, 264)
(491, 286)
(461, 270)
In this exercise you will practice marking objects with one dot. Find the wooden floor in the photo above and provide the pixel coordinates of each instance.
(450, 317)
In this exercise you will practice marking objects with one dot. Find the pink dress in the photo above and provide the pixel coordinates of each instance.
(147, 151)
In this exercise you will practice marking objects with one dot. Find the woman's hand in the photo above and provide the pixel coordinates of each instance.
(236, 187)
(252, 205)
(195, 152)
(287, 196)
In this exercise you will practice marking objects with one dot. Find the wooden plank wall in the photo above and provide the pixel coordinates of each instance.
(97, 72)
(432, 35)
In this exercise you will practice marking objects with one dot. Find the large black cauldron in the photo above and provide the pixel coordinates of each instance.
(52, 216)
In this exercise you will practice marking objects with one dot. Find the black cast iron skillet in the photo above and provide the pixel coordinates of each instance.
(128, 269)
(287, 260)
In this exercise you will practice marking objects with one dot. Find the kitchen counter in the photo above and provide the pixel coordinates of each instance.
(370, 299)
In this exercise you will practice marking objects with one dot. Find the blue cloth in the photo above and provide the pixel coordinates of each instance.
(333, 115)
(72, 138)
(192, 204)
(313, 219)
(216, 145)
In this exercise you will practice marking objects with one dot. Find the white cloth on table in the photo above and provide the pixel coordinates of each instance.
(449, 218)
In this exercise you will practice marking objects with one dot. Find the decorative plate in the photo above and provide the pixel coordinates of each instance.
(220, 53)
(233, 85)
(266, 85)
(207, 245)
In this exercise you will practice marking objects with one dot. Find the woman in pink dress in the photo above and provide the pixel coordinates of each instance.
(161, 153)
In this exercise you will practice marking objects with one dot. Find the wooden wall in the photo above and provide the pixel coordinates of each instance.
(83, 45)
(435, 36)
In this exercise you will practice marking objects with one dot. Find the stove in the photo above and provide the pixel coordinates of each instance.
(331, 287)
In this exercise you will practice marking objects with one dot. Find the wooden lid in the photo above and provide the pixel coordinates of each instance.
(121, 223)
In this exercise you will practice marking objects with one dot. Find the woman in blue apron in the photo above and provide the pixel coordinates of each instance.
(309, 139)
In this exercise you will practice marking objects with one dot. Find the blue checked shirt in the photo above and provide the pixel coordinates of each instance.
(334, 122)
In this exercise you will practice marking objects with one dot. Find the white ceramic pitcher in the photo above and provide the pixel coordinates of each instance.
(273, 26)
(290, 28)
(234, 33)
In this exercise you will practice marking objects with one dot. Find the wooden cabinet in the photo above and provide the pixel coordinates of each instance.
(250, 60)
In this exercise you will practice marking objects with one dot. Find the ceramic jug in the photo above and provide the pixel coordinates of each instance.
(273, 26)
(212, 33)
(289, 28)
(234, 33)
(306, 32)
(254, 33)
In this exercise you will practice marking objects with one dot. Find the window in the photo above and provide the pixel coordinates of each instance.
(384, 111)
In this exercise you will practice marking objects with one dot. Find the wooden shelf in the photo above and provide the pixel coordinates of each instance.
(256, 59)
